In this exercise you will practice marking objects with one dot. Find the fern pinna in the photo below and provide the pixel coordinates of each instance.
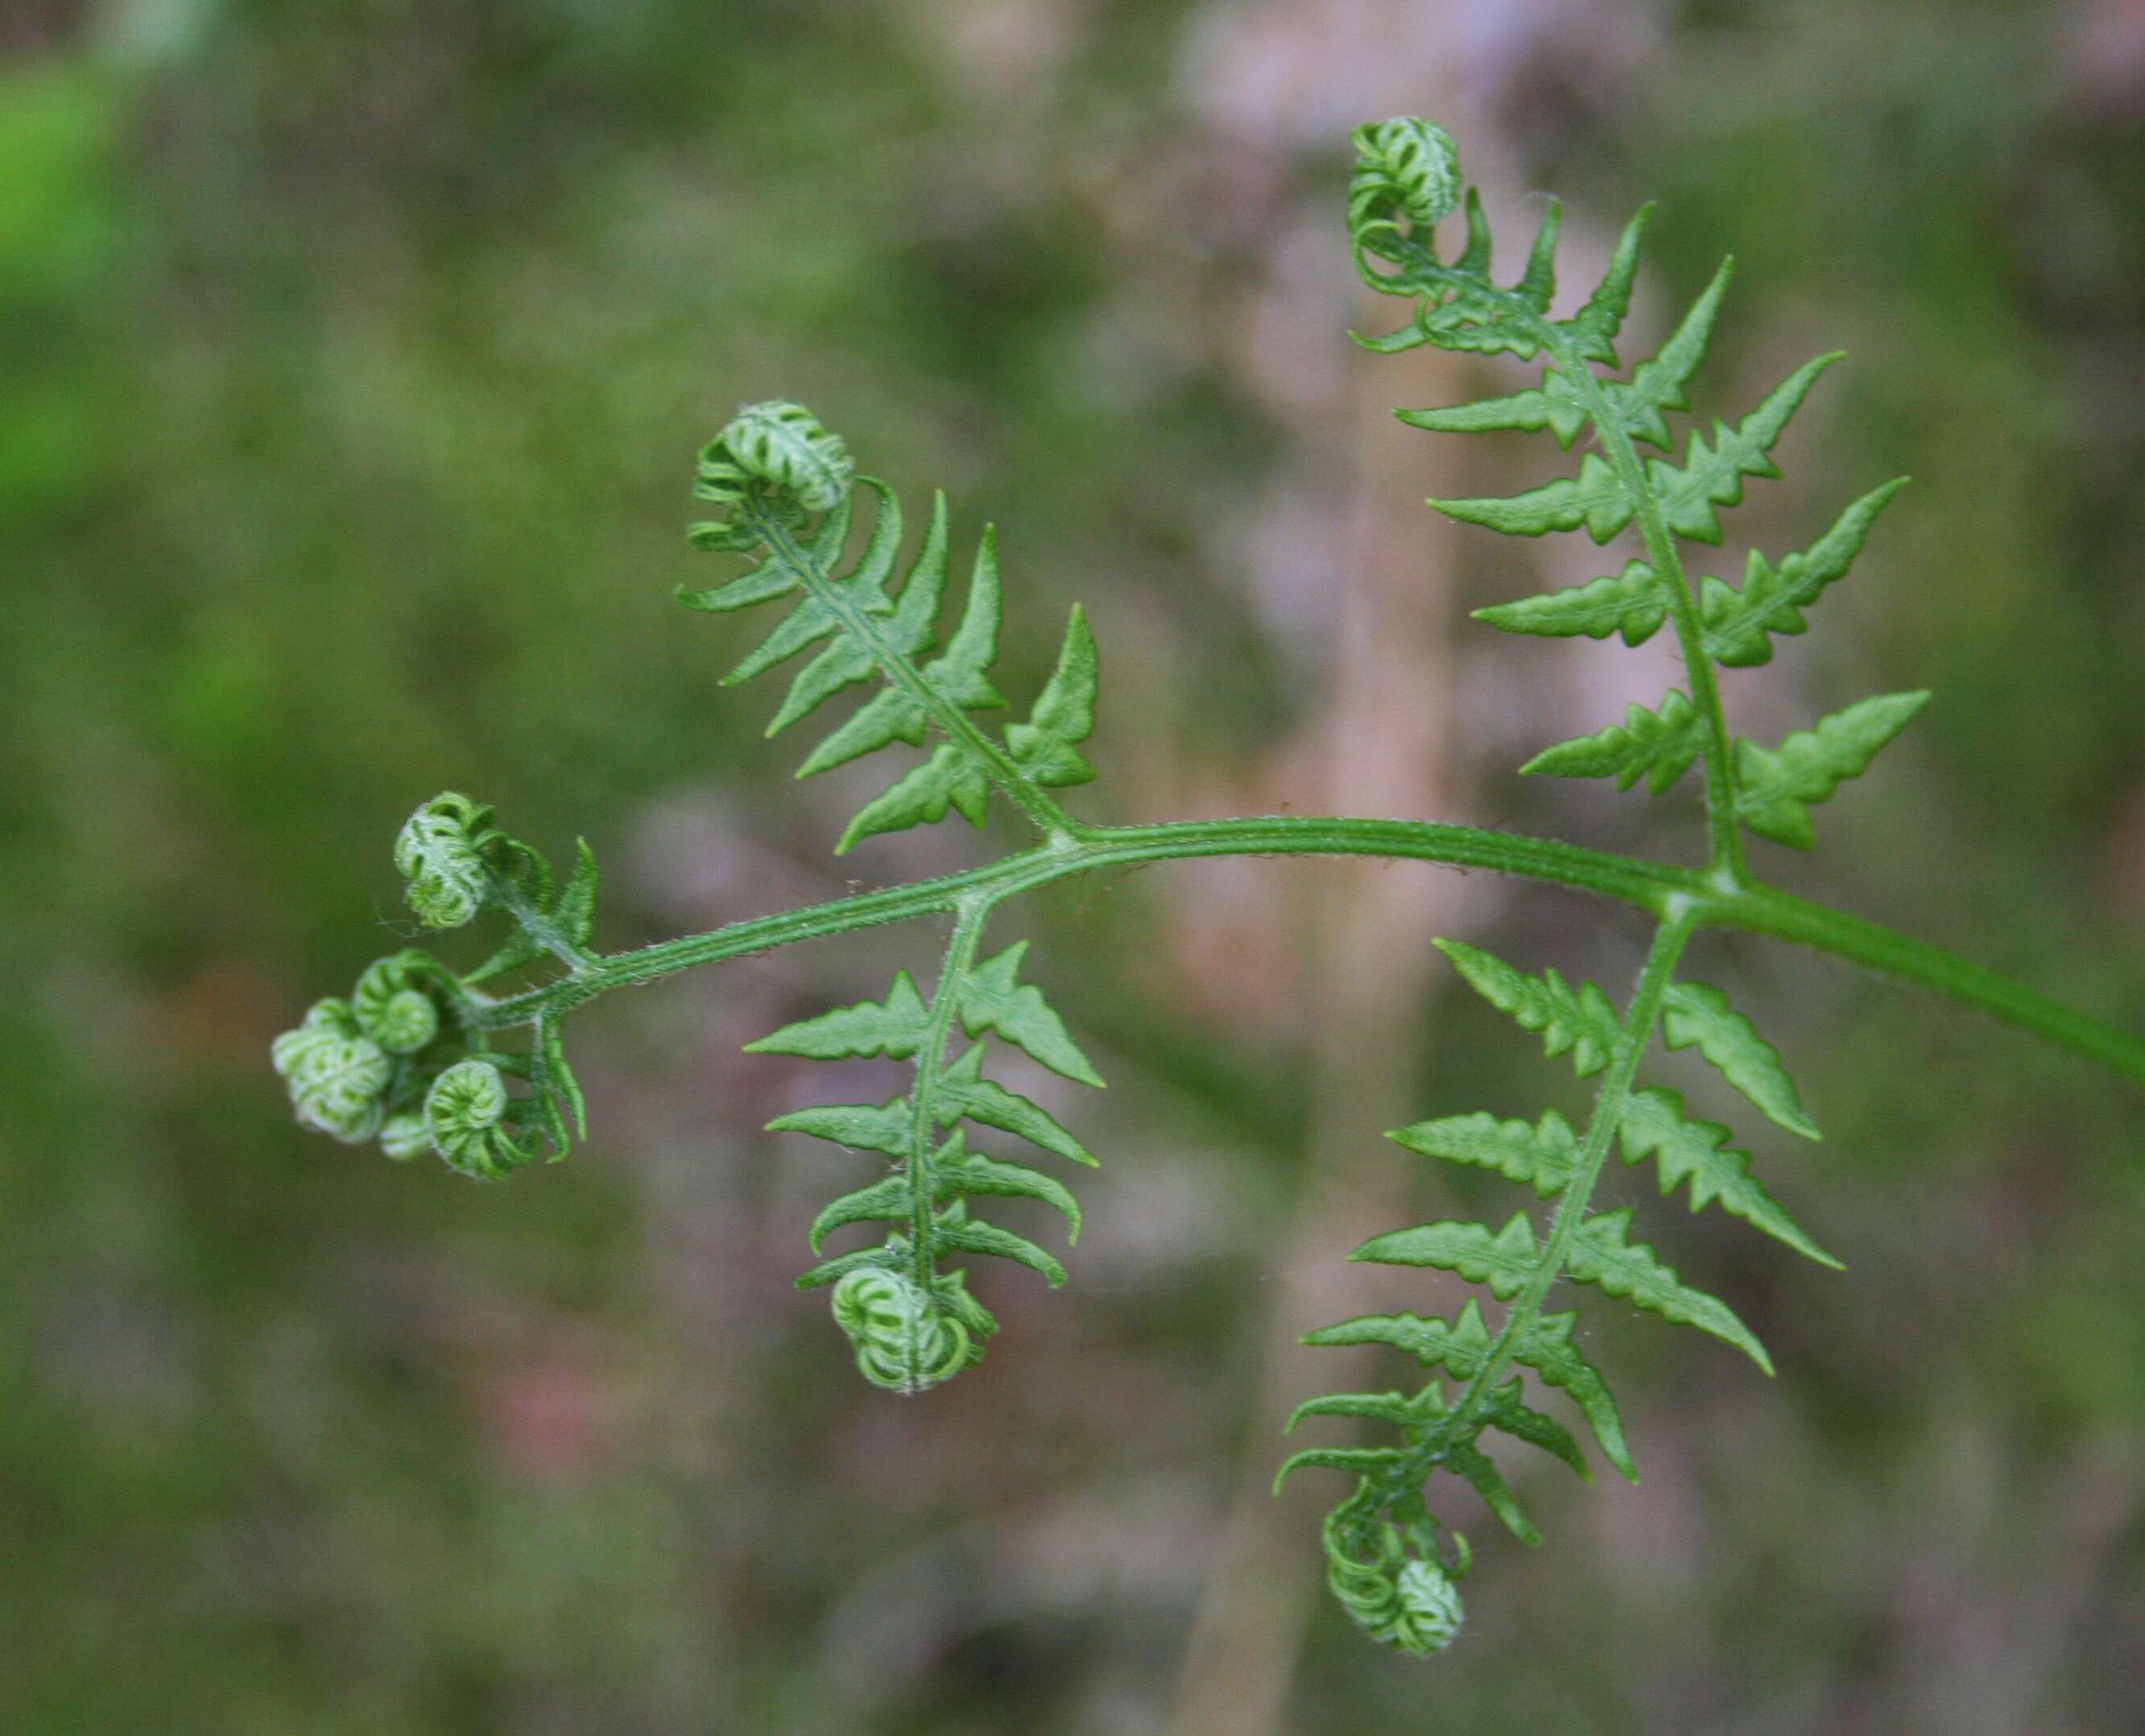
(1406, 180)
(913, 1323)
(421, 1057)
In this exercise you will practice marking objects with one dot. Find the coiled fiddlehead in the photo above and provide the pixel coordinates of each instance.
(466, 1117)
(335, 1073)
(1395, 1583)
(777, 454)
(905, 1341)
(441, 852)
(1404, 167)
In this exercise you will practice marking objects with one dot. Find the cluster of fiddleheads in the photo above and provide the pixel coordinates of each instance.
(408, 1057)
(422, 1057)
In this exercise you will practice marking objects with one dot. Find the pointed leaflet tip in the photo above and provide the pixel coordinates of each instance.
(1779, 787)
(1600, 1254)
(1653, 1124)
(992, 999)
(1537, 285)
(1064, 713)
(1504, 1260)
(1580, 1020)
(1697, 1013)
(1632, 603)
(895, 1027)
(1658, 746)
(1740, 623)
(1712, 476)
(1597, 324)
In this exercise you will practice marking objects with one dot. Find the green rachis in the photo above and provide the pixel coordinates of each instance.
(471, 1065)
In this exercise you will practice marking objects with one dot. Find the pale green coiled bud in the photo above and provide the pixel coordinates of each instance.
(404, 1136)
(903, 1341)
(441, 853)
(335, 1073)
(466, 1116)
(390, 1010)
(1400, 1599)
(1404, 167)
(781, 450)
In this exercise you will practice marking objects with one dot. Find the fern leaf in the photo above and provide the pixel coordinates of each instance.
(1595, 499)
(1554, 405)
(1630, 603)
(951, 777)
(1504, 1260)
(960, 672)
(574, 912)
(960, 675)
(963, 1092)
(991, 1000)
(957, 1172)
(1712, 476)
(1599, 1255)
(860, 1126)
(1377, 1407)
(895, 1027)
(1044, 747)
(557, 1086)
(1740, 623)
(1542, 1156)
(1658, 385)
(570, 914)
(768, 580)
(1475, 1465)
(1654, 1125)
(908, 626)
(887, 1201)
(1596, 325)
(1657, 746)
(887, 1256)
(1777, 787)
(1537, 284)
(1581, 1021)
(1508, 1413)
(873, 635)
(966, 1236)
(1547, 1348)
(1698, 1013)
(864, 585)
(1459, 1345)
(1356, 1461)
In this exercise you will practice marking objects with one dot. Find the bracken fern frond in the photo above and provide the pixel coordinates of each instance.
(471, 1066)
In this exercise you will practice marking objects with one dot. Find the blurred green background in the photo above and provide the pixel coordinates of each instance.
(352, 357)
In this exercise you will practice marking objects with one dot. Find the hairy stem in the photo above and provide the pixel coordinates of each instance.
(922, 1125)
(1754, 909)
(1022, 791)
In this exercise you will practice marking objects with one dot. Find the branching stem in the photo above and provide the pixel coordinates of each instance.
(1651, 886)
